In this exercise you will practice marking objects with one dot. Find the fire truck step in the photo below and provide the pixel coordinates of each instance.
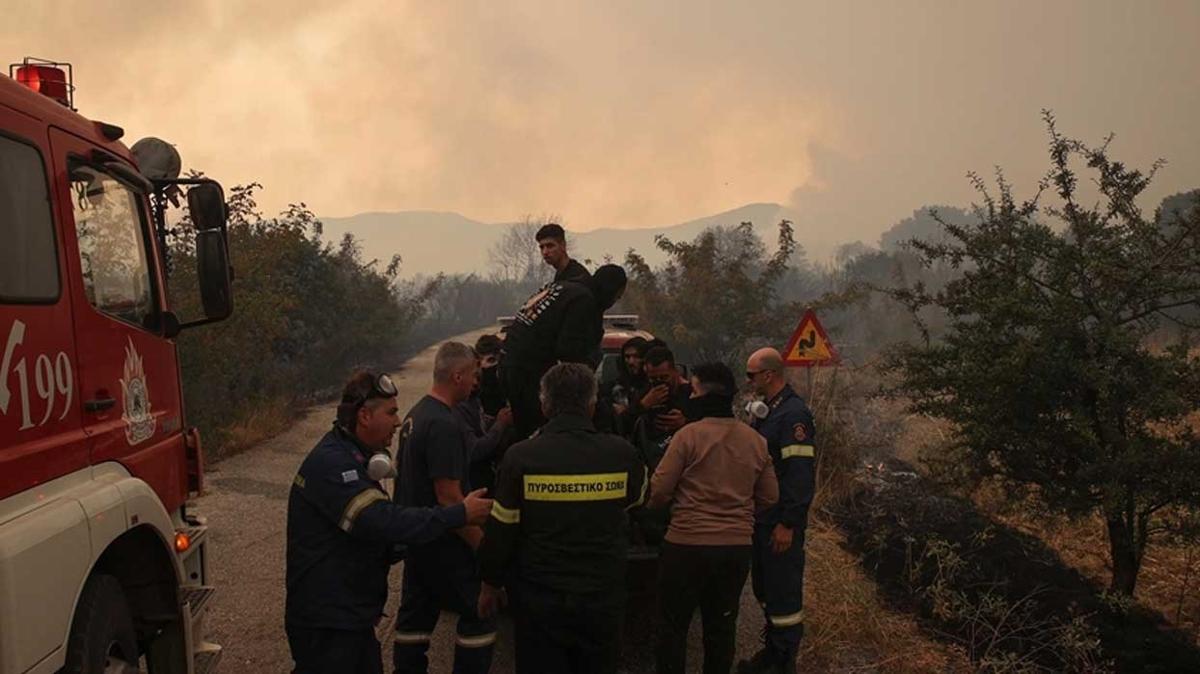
(206, 660)
(197, 596)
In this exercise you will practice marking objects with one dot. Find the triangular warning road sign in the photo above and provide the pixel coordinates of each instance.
(810, 345)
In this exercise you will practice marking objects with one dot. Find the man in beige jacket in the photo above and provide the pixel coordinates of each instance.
(717, 473)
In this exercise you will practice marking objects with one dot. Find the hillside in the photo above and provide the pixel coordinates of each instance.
(430, 242)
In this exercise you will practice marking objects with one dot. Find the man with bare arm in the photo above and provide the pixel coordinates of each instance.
(440, 575)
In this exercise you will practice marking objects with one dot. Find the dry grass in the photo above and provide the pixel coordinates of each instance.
(849, 629)
(252, 426)
(1169, 582)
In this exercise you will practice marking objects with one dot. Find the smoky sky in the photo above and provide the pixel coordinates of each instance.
(630, 114)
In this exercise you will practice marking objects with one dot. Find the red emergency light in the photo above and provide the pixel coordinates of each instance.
(51, 79)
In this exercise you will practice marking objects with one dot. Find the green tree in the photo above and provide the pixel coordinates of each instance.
(1056, 368)
(714, 293)
(305, 313)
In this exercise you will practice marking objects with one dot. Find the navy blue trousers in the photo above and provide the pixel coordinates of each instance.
(778, 581)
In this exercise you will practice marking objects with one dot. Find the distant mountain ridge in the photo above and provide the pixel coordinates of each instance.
(430, 242)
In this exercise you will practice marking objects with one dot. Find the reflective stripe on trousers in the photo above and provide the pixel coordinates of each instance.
(778, 581)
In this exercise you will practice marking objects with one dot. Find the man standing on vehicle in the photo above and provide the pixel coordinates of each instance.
(778, 563)
(556, 538)
(440, 574)
(561, 323)
(341, 529)
(552, 243)
(718, 474)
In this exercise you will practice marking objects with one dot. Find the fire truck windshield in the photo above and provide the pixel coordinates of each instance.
(110, 224)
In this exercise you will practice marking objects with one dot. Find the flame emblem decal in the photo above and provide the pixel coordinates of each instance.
(139, 424)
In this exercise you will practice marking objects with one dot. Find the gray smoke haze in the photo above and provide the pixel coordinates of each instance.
(629, 114)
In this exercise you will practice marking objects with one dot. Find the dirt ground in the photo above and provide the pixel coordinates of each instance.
(246, 506)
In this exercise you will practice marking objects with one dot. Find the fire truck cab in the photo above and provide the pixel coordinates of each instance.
(102, 567)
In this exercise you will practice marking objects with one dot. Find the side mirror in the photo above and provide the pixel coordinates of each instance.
(165, 323)
(206, 203)
(212, 271)
(170, 325)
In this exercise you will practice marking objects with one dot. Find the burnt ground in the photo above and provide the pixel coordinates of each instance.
(1003, 595)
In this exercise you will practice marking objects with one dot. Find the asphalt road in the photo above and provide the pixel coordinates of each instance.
(246, 506)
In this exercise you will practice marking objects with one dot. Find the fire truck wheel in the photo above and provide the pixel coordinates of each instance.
(102, 638)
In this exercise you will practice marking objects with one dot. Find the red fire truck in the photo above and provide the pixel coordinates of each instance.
(102, 564)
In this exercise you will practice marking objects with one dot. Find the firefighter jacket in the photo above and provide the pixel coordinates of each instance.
(558, 520)
(341, 528)
(561, 322)
(790, 434)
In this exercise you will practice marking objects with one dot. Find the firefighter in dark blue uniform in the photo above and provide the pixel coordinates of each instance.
(778, 561)
(342, 529)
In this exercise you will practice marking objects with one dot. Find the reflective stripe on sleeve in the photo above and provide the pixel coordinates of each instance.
(476, 641)
(796, 450)
(505, 515)
(786, 620)
(413, 637)
(358, 504)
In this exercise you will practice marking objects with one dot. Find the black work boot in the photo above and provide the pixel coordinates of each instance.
(765, 661)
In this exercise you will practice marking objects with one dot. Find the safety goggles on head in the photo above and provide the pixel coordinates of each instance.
(381, 387)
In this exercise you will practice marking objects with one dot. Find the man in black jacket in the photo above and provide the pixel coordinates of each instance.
(486, 417)
(561, 323)
(490, 350)
(623, 394)
(556, 538)
(552, 243)
(661, 415)
(341, 529)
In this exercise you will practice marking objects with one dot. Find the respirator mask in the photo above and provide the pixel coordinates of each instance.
(757, 409)
(380, 466)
